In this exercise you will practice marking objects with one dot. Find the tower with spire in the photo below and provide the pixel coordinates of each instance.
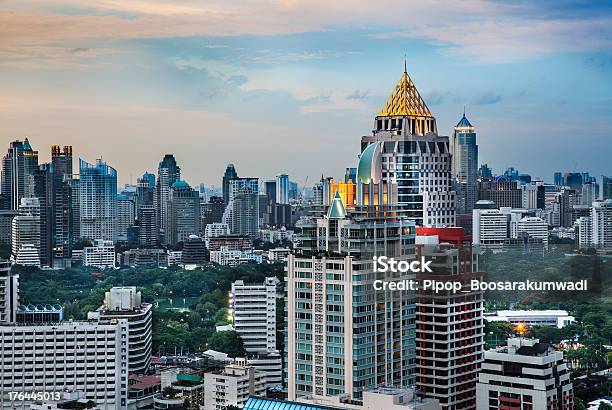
(413, 162)
(465, 164)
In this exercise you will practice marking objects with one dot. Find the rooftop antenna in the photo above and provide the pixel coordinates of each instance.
(405, 71)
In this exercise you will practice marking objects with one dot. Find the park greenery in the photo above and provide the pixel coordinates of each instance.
(81, 289)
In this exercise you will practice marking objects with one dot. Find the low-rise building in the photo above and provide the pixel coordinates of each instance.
(525, 374)
(101, 255)
(232, 386)
(549, 318)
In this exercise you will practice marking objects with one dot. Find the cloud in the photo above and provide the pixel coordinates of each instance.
(487, 98)
(435, 98)
(358, 95)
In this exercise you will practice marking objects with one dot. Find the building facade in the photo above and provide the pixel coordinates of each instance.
(98, 201)
(465, 165)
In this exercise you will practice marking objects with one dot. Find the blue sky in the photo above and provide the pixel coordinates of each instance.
(290, 86)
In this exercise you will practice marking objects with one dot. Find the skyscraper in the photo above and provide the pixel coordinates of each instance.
(230, 174)
(282, 189)
(168, 172)
(413, 156)
(125, 215)
(43, 190)
(184, 213)
(242, 212)
(18, 166)
(343, 335)
(63, 204)
(98, 201)
(465, 165)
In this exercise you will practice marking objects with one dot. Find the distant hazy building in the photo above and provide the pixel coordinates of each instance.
(465, 165)
(98, 201)
(503, 191)
(606, 187)
(230, 174)
(125, 215)
(194, 252)
(282, 189)
(18, 167)
(242, 212)
(184, 213)
(168, 172)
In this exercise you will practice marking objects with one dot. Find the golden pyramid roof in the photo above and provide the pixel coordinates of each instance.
(405, 100)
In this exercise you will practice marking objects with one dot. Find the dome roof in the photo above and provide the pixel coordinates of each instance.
(180, 185)
(367, 169)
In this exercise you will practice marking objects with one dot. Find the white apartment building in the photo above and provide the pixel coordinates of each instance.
(254, 313)
(232, 386)
(235, 257)
(489, 226)
(585, 231)
(278, 254)
(550, 318)
(101, 255)
(534, 227)
(126, 303)
(91, 357)
(601, 219)
(215, 229)
(525, 374)
(25, 238)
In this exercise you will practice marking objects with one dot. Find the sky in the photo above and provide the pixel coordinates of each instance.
(290, 86)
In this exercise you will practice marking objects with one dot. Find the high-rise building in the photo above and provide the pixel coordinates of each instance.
(601, 222)
(126, 303)
(194, 252)
(558, 179)
(62, 206)
(413, 156)
(184, 213)
(339, 327)
(282, 189)
(525, 374)
(490, 225)
(98, 201)
(26, 233)
(533, 227)
(465, 165)
(254, 314)
(126, 208)
(230, 174)
(148, 234)
(606, 188)
(168, 172)
(18, 166)
(242, 211)
(270, 191)
(485, 172)
(449, 324)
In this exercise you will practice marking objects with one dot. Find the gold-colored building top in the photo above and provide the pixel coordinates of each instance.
(405, 100)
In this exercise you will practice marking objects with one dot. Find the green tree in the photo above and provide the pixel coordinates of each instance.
(228, 342)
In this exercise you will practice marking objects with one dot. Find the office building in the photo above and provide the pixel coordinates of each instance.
(17, 181)
(126, 303)
(490, 225)
(184, 213)
(63, 204)
(98, 201)
(233, 242)
(406, 144)
(282, 189)
(242, 211)
(465, 165)
(449, 324)
(533, 227)
(525, 374)
(229, 175)
(333, 311)
(254, 313)
(212, 211)
(194, 252)
(168, 172)
(232, 386)
(101, 255)
(503, 191)
(606, 188)
(270, 191)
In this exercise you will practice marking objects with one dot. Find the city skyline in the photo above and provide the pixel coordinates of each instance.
(121, 79)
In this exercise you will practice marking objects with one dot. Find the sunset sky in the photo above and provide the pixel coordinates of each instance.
(290, 86)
